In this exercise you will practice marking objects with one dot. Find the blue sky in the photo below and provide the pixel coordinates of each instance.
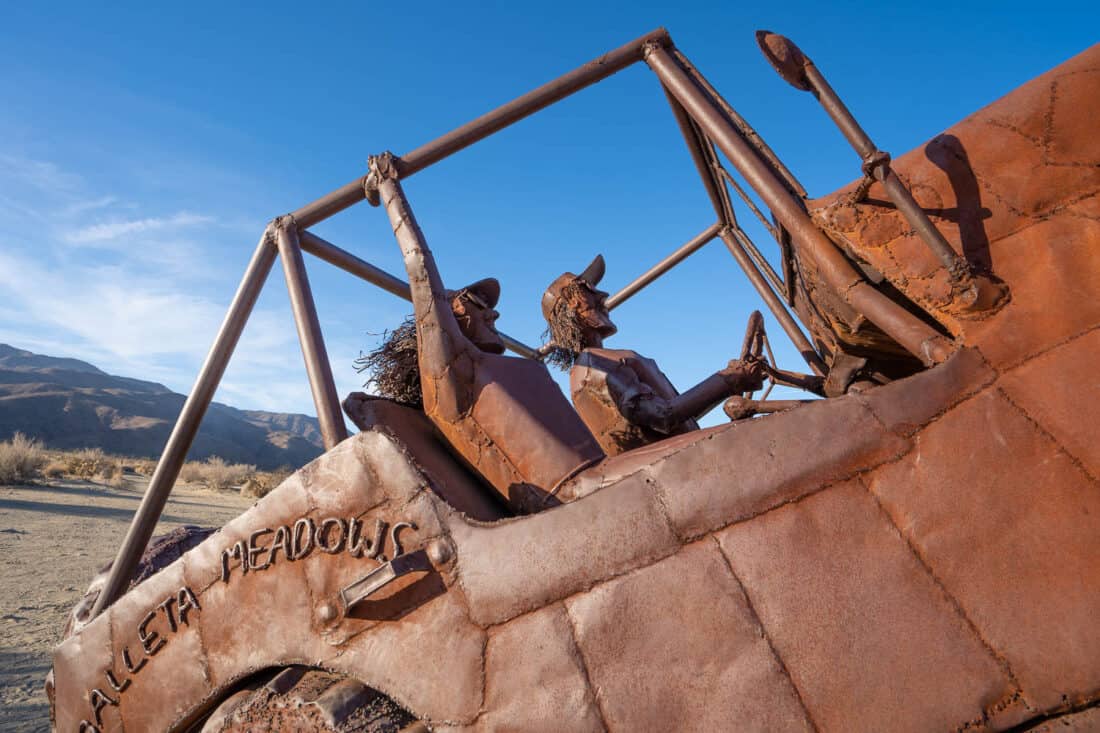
(144, 146)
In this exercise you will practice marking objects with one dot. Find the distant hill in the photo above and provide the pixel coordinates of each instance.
(67, 403)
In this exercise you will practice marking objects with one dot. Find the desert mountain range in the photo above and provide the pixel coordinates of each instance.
(67, 403)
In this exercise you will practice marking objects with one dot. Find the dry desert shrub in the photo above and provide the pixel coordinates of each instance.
(261, 484)
(215, 473)
(222, 475)
(191, 472)
(144, 467)
(55, 468)
(89, 463)
(111, 472)
(21, 458)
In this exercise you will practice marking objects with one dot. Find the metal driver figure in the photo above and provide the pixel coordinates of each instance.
(622, 396)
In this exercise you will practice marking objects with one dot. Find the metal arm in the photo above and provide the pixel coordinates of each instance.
(441, 343)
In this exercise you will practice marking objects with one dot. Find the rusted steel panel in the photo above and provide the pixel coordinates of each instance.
(715, 667)
(1068, 407)
(536, 679)
(1030, 160)
(287, 558)
(80, 664)
(164, 642)
(1010, 524)
(562, 551)
(700, 496)
(836, 586)
(961, 376)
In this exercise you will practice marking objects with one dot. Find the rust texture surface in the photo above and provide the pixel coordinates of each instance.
(786, 599)
(505, 416)
(624, 398)
(602, 380)
(1014, 190)
(930, 564)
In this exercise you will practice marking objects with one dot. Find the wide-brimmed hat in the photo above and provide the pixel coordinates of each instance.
(591, 275)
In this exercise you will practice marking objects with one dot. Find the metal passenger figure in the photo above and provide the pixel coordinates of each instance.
(392, 367)
(504, 415)
(622, 396)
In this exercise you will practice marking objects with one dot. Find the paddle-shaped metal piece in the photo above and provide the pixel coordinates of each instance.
(786, 58)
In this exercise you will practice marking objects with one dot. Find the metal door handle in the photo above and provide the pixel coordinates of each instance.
(377, 579)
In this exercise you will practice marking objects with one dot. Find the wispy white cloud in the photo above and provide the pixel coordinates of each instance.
(141, 329)
(104, 306)
(112, 230)
(89, 273)
(39, 174)
(82, 207)
(134, 295)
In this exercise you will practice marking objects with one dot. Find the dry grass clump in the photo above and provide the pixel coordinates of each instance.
(21, 458)
(89, 464)
(215, 473)
(261, 484)
(143, 466)
(55, 468)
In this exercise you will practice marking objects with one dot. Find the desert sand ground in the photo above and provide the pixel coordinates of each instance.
(53, 538)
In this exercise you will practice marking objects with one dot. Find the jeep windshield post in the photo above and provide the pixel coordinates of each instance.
(708, 124)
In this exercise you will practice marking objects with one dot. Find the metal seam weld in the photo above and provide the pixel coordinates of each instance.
(764, 634)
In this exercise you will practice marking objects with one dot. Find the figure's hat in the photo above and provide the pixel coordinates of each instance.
(487, 290)
(591, 275)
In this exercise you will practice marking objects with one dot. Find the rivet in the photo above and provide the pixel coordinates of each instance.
(439, 551)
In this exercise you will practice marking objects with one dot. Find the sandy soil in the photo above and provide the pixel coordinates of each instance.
(53, 539)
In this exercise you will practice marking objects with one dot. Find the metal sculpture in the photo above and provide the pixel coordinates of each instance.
(504, 415)
(622, 396)
(917, 551)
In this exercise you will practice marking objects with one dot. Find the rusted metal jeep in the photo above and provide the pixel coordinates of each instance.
(933, 563)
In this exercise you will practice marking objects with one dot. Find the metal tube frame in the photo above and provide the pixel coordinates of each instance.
(322, 385)
(877, 164)
(786, 321)
(715, 179)
(187, 424)
(364, 270)
(503, 116)
(704, 118)
(690, 247)
(910, 332)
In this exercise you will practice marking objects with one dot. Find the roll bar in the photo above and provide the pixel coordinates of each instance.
(706, 121)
